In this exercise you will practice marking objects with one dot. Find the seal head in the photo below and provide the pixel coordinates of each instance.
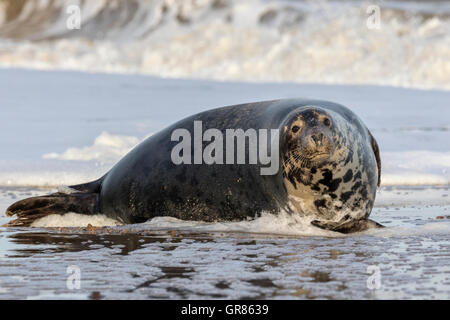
(329, 167)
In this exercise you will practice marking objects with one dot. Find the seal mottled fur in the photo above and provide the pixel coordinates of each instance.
(329, 171)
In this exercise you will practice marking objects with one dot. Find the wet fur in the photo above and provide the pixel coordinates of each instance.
(145, 183)
(337, 189)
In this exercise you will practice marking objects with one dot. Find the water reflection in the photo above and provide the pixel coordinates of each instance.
(125, 262)
(53, 243)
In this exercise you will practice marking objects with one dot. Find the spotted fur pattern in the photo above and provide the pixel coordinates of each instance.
(338, 186)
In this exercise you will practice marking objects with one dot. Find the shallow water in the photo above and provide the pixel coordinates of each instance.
(184, 260)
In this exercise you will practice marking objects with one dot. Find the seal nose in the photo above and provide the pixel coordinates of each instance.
(317, 138)
(316, 141)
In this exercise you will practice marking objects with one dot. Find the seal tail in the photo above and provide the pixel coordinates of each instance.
(81, 198)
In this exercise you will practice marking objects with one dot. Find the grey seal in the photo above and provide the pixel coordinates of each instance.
(329, 170)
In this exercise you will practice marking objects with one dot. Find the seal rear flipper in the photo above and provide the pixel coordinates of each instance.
(348, 227)
(29, 210)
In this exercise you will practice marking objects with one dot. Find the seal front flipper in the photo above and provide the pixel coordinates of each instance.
(348, 227)
(82, 199)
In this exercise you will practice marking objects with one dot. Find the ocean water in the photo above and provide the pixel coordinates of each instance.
(60, 127)
(401, 43)
(182, 260)
(63, 128)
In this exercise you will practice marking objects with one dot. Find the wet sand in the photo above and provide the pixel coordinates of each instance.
(412, 256)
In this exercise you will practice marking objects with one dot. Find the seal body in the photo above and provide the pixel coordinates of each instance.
(328, 170)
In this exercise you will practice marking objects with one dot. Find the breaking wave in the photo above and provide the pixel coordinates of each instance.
(255, 40)
(106, 148)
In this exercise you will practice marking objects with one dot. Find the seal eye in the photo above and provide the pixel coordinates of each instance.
(295, 129)
(327, 122)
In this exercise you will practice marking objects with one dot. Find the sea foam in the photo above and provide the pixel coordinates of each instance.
(300, 41)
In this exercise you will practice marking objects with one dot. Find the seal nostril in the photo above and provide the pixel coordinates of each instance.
(316, 138)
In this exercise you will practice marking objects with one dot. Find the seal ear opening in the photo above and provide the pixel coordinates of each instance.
(376, 151)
